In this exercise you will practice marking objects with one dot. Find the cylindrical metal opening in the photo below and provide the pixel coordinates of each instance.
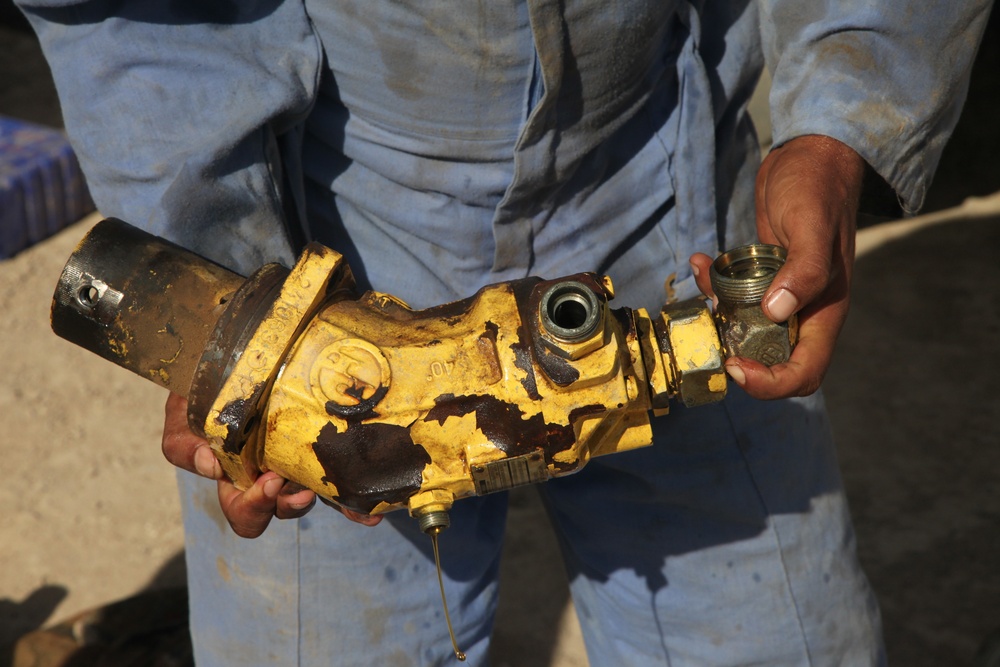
(570, 311)
(743, 275)
(141, 302)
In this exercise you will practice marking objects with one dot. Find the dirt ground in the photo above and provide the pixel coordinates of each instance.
(91, 514)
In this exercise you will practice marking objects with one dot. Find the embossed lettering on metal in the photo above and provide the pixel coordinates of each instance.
(509, 473)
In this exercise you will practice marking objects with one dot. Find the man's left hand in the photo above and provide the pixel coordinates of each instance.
(807, 202)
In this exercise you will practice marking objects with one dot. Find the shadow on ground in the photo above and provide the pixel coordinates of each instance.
(914, 408)
(149, 629)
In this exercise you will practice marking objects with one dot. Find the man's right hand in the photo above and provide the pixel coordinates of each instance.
(250, 511)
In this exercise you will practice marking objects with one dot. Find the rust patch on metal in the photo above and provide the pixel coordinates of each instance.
(522, 359)
(359, 412)
(505, 426)
(370, 464)
(140, 302)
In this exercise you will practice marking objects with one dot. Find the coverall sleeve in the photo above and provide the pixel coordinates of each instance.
(886, 78)
(181, 114)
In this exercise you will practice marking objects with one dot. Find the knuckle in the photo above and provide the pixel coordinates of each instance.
(809, 275)
(810, 386)
(246, 522)
(246, 532)
(169, 447)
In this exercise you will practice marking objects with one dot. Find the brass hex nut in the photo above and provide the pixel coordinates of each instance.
(571, 317)
(687, 335)
(747, 332)
(430, 501)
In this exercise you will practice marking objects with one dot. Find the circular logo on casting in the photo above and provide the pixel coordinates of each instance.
(349, 372)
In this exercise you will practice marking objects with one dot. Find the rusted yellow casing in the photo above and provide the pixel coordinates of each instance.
(251, 372)
(379, 407)
(371, 404)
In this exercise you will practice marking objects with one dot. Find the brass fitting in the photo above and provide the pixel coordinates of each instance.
(571, 319)
(740, 277)
(430, 509)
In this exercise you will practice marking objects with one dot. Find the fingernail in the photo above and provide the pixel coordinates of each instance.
(695, 270)
(302, 506)
(735, 372)
(291, 488)
(205, 463)
(781, 305)
(272, 487)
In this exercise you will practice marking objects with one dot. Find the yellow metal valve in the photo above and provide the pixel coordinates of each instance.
(376, 406)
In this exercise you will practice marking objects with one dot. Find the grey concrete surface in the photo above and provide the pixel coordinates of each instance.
(90, 515)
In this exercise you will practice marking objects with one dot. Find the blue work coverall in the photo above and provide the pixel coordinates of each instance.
(442, 146)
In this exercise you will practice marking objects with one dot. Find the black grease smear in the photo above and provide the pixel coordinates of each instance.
(361, 411)
(522, 359)
(370, 464)
(231, 416)
(625, 320)
(526, 338)
(586, 410)
(662, 337)
(558, 369)
(356, 392)
(505, 426)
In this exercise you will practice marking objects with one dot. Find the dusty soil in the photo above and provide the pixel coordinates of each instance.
(91, 513)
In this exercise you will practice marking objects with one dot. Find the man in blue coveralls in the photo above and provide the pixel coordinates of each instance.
(443, 146)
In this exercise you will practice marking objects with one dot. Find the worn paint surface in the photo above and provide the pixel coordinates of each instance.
(302, 292)
(466, 384)
(378, 407)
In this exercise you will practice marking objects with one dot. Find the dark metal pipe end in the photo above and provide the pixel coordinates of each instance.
(141, 302)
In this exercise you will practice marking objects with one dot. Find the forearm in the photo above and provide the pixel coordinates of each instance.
(887, 79)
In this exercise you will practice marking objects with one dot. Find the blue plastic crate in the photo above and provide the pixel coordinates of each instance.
(41, 186)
